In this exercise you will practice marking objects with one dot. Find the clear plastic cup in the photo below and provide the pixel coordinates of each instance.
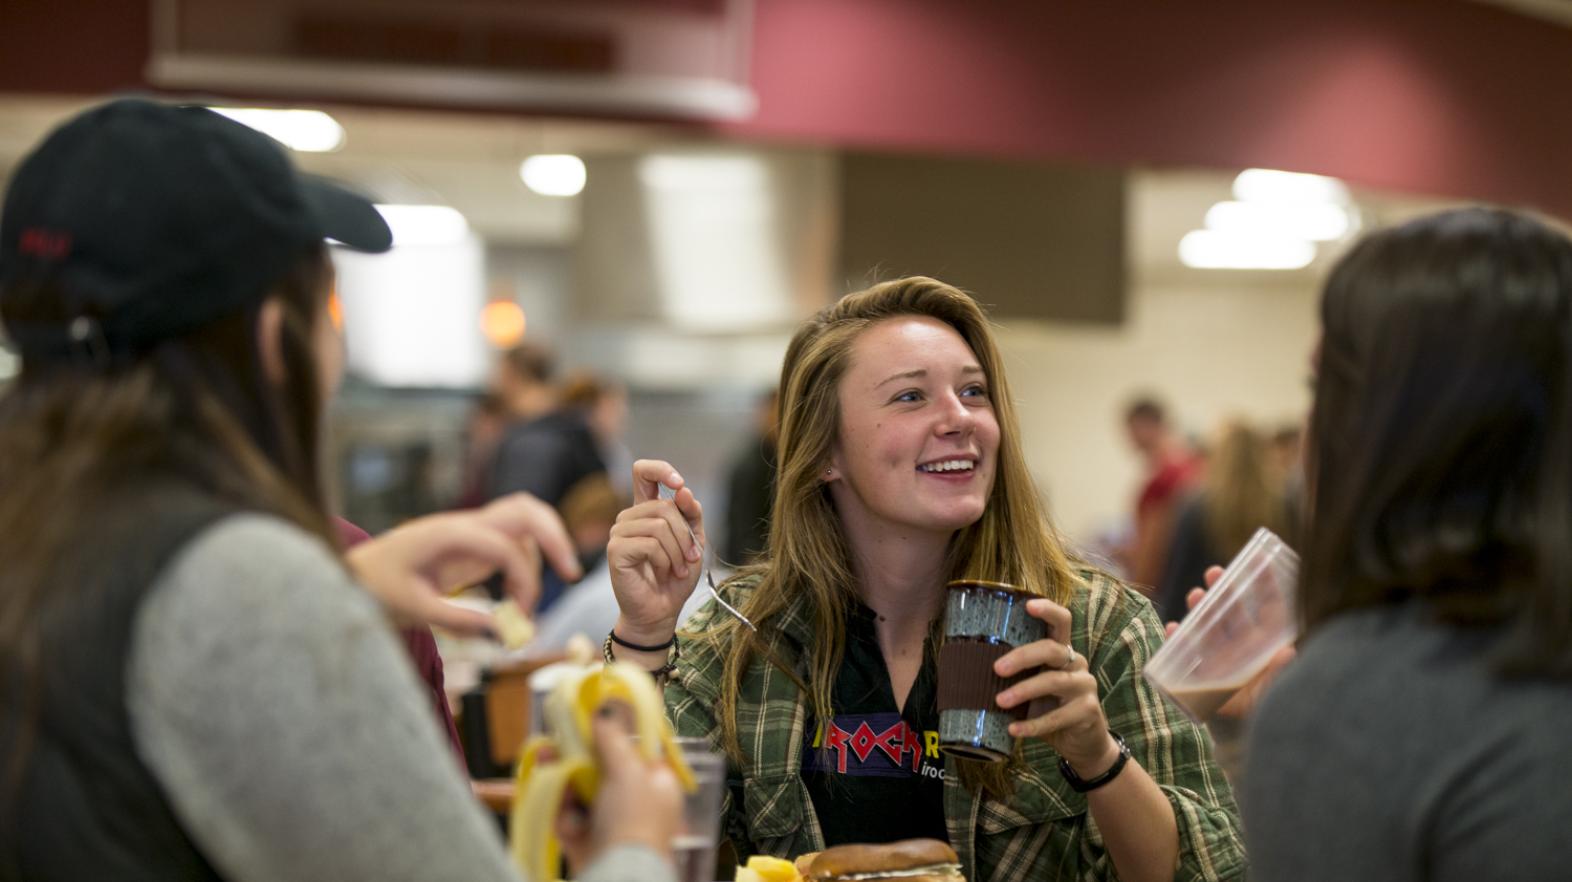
(1231, 636)
(696, 843)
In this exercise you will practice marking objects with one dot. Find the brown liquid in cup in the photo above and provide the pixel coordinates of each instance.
(1204, 702)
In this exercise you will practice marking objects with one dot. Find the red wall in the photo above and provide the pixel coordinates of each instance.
(1440, 96)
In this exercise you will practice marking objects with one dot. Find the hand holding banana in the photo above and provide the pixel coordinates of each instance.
(567, 758)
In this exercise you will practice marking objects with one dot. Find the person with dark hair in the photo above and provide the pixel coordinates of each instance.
(1421, 733)
(1171, 470)
(546, 448)
(750, 487)
(194, 682)
(603, 405)
(483, 427)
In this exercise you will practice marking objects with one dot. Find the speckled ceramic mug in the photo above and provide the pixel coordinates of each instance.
(982, 622)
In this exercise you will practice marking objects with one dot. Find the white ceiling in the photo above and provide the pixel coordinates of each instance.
(470, 161)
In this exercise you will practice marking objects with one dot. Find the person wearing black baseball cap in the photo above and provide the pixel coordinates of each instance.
(193, 682)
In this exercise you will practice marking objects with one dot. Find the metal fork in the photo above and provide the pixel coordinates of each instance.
(704, 553)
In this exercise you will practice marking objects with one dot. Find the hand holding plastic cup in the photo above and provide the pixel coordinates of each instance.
(1233, 634)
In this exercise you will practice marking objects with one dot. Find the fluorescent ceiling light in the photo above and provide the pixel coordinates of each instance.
(309, 131)
(554, 174)
(1315, 221)
(1268, 185)
(1211, 249)
(425, 224)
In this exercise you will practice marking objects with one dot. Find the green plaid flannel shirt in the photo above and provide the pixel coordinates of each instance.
(1044, 832)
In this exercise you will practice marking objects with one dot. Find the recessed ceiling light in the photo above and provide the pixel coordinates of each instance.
(1210, 249)
(309, 131)
(554, 174)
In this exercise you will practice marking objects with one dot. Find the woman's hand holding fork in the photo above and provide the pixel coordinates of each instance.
(655, 556)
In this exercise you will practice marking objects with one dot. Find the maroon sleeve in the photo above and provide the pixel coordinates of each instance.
(428, 663)
(422, 649)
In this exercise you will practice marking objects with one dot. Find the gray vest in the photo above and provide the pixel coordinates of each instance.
(85, 806)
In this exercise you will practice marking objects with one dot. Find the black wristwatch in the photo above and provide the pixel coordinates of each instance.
(1079, 785)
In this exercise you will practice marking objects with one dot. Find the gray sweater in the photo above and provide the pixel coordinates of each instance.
(1387, 751)
(274, 704)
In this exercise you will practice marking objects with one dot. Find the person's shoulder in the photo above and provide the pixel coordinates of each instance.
(1332, 671)
(257, 536)
(1107, 602)
(249, 584)
(564, 421)
(524, 430)
(250, 563)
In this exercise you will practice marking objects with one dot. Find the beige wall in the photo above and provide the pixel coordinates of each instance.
(1210, 353)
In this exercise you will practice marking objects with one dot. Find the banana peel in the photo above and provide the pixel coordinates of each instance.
(569, 711)
(761, 868)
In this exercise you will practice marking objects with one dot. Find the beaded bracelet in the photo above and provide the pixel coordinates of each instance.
(662, 673)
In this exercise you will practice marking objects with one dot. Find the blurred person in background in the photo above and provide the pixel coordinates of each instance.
(483, 428)
(588, 512)
(1288, 461)
(214, 691)
(750, 487)
(901, 469)
(603, 404)
(546, 448)
(1422, 731)
(1172, 469)
(1240, 492)
(1287, 450)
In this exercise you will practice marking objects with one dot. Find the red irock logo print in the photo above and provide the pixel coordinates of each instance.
(879, 745)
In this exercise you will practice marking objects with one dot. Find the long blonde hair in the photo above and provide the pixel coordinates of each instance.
(1241, 490)
(808, 554)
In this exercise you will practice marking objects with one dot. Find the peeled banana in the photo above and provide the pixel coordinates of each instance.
(513, 626)
(568, 712)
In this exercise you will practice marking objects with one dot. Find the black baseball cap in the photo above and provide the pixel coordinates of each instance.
(153, 219)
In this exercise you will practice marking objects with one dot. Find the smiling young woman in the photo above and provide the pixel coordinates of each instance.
(900, 469)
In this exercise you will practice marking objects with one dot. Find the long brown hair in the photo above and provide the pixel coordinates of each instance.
(79, 436)
(808, 555)
(1440, 449)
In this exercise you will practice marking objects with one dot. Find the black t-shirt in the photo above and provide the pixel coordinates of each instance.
(875, 774)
